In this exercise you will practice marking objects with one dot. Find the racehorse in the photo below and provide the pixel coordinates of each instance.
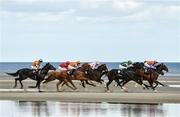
(125, 75)
(96, 74)
(64, 77)
(25, 73)
(151, 76)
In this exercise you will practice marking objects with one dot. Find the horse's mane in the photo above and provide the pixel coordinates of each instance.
(158, 65)
(101, 65)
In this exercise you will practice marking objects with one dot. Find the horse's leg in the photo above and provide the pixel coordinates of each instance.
(89, 83)
(83, 84)
(160, 83)
(15, 85)
(39, 85)
(69, 80)
(124, 83)
(151, 84)
(118, 83)
(156, 84)
(66, 82)
(108, 83)
(57, 85)
(20, 81)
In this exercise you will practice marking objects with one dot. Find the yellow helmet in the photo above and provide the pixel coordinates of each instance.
(78, 62)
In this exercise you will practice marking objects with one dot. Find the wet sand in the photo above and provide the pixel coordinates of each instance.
(168, 94)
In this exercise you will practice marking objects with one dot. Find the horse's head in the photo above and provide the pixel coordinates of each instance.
(86, 66)
(138, 65)
(103, 68)
(162, 68)
(48, 67)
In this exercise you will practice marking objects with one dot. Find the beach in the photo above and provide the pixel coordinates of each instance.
(170, 93)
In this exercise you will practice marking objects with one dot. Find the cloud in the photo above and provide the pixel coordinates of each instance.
(33, 1)
(132, 12)
(92, 3)
(150, 14)
(124, 5)
(39, 16)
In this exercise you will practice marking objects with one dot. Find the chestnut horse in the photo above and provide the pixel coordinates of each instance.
(64, 77)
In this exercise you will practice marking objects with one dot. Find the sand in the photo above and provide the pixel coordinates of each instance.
(168, 94)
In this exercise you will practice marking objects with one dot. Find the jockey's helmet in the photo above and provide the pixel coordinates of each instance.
(40, 60)
(78, 62)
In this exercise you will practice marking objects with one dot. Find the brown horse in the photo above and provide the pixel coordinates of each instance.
(151, 76)
(96, 74)
(64, 77)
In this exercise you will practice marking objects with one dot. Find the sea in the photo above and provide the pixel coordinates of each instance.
(174, 67)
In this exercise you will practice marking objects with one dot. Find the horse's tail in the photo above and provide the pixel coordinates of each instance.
(13, 74)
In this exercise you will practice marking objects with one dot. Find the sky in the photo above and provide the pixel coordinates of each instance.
(89, 30)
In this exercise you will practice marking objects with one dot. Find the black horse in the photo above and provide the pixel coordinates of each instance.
(25, 73)
(96, 74)
(122, 76)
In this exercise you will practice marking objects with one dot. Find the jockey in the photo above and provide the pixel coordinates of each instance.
(94, 65)
(74, 65)
(150, 64)
(64, 66)
(36, 64)
(126, 64)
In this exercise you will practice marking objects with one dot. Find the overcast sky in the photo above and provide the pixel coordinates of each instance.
(89, 30)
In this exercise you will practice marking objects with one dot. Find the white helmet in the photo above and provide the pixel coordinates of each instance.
(97, 62)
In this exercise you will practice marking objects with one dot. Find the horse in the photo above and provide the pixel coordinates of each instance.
(96, 74)
(153, 75)
(25, 73)
(61, 76)
(64, 77)
(150, 77)
(125, 75)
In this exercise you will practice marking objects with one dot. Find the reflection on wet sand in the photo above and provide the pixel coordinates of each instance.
(68, 109)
